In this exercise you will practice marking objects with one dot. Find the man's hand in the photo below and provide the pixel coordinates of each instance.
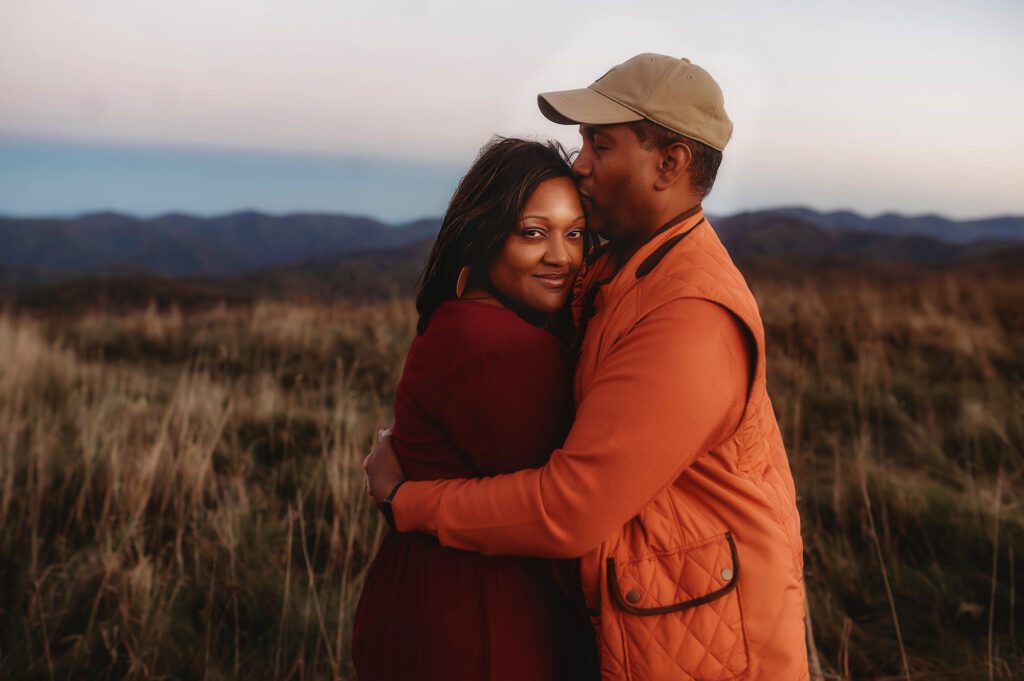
(383, 471)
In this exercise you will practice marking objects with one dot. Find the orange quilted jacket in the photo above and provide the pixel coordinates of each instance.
(680, 505)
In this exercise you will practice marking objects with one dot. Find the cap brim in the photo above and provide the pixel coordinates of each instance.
(570, 107)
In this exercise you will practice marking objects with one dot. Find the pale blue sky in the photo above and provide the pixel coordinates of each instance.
(211, 105)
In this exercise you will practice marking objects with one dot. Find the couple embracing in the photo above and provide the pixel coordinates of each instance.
(585, 477)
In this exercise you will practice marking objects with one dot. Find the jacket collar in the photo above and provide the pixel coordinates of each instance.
(698, 209)
(599, 272)
(657, 247)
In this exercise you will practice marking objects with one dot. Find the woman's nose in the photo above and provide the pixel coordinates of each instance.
(557, 252)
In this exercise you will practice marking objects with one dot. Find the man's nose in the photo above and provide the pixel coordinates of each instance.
(581, 164)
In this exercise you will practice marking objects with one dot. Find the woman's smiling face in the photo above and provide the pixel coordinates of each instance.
(542, 254)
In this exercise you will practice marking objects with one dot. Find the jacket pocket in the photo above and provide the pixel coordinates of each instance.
(679, 612)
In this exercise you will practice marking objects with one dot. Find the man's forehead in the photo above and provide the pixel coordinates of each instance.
(595, 128)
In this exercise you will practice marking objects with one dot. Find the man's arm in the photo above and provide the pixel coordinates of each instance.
(669, 391)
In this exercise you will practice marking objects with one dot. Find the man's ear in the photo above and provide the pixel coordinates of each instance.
(673, 166)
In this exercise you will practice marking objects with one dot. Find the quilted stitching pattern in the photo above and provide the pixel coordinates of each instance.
(706, 642)
(667, 578)
(703, 642)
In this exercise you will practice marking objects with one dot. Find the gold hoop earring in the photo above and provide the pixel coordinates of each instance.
(460, 283)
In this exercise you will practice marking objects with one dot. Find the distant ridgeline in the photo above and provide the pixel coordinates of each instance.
(250, 254)
(177, 245)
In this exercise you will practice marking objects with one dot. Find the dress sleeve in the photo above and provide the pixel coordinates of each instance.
(668, 391)
(508, 408)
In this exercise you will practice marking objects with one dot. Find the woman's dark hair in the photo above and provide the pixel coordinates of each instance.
(485, 207)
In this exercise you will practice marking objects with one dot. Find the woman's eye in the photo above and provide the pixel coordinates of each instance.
(575, 234)
(532, 232)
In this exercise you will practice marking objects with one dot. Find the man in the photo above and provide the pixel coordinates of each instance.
(673, 486)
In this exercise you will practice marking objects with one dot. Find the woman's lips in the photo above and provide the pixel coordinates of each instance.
(552, 280)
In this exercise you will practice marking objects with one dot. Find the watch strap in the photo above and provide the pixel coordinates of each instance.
(385, 507)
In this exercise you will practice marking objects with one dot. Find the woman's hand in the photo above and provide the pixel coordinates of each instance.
(383, 471)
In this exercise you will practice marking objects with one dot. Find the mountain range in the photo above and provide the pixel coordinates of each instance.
(119, 260)
(179, 245)
(1001, 228)
(244, 242)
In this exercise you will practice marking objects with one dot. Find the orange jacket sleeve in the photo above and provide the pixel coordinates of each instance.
(670, 389)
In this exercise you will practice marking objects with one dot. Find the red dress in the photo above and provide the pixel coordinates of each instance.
(482, 393)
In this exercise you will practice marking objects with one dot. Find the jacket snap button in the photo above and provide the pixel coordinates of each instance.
(726, 574)
(633, 596)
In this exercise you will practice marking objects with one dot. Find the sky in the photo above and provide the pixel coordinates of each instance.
(209, 106)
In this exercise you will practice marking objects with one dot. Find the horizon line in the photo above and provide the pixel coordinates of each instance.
(151, 217)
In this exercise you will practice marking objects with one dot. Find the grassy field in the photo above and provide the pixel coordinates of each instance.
(181, 497)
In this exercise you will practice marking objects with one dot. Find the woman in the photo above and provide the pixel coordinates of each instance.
(485, 390)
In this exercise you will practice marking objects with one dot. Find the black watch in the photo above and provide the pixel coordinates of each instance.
(385, 507)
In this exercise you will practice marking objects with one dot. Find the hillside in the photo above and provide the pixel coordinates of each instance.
(1005, 227)
(184, 245)
(365, 276)
(191, 478)
(185, 451)
(342, 258)
(769, 233)
(39, 251)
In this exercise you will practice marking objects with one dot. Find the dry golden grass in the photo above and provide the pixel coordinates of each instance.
(181, 496)
(902, 405)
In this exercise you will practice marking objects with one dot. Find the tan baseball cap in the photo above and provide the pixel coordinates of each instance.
(671, 92)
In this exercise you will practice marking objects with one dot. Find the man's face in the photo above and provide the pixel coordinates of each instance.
(615, 176)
